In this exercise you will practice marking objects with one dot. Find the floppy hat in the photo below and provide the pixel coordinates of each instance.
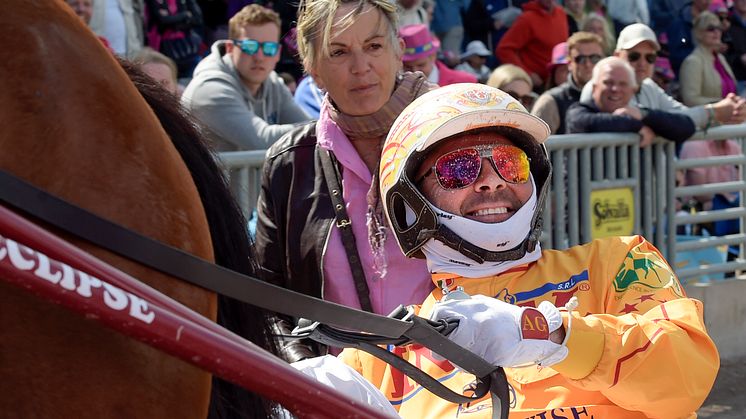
(635, 33)
(476, 48)
(418, 42)
(560, 55)
(718, 6)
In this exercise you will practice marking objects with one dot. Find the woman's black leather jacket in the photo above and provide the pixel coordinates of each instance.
(294, 220)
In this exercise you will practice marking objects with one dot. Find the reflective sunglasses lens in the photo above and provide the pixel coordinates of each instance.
(458, 169)
(249, 46)
(512, 163)
(595, 58)
(270, 48)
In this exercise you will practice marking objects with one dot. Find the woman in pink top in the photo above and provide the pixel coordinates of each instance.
(706, 78)
(353, 52)
(705, 75)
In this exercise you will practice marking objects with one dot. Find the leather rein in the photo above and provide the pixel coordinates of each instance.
(329, 323)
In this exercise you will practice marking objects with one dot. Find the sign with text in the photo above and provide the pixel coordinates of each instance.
(612, 212)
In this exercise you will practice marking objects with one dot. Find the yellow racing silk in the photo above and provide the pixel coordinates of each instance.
(637, 347)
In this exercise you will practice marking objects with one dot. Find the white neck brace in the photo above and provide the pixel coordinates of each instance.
(509, 234)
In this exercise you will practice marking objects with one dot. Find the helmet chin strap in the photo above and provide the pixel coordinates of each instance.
(469, 248)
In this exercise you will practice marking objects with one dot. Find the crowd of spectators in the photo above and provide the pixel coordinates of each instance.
(236, 61)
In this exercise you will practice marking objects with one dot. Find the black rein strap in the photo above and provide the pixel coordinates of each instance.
(81, 223)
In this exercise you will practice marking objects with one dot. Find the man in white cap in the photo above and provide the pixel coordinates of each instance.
(463, 177)
(474, 61)
(638, 45)
(613, 84)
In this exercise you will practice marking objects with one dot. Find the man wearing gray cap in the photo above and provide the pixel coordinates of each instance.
(638, 45)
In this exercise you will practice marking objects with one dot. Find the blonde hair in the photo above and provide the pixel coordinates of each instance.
(316, 18)
(609, 40)
(252, 15)
(148, 55)
(582, 37)
(701, 22)
(507, 73)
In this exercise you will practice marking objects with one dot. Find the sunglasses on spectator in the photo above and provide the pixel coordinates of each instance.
(527, 100)
(633, 56)
(581, 59)
(713, 28)
(460, 168)
(251, 47)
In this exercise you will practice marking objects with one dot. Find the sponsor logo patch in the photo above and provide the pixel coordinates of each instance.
(534, 325)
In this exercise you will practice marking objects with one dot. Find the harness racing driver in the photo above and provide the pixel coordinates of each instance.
(601, 330)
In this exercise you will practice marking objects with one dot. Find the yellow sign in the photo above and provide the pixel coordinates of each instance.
(612, 212)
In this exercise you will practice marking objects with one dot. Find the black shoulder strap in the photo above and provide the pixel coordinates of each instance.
(329, 164)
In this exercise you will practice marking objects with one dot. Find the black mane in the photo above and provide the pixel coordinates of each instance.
(230, 239)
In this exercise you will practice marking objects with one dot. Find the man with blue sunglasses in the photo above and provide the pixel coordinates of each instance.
(235, 90)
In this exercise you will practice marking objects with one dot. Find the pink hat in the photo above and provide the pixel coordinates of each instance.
(663, 67)
(418, 42)
(718, 6)
(560, 55)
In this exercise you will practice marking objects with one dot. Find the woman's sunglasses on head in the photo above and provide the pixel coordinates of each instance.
(460, 168)
(633, 56)
(252, 46)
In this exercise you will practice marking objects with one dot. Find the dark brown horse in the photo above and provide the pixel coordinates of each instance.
(74, 125)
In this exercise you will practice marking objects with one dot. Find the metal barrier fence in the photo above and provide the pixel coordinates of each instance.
(244, 169)
(605, 184)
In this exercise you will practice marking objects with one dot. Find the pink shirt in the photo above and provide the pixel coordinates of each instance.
(407, 280)
(729, 85)
(705, 175)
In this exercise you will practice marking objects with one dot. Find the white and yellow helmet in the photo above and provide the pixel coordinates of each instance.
(435, 117)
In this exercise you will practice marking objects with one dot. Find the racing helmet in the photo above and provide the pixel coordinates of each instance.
(435, 117)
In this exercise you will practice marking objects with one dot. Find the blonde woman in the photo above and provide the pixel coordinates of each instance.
(705, 75)
(596, 23)
(352, 50)
(160, 67)
(514, 81)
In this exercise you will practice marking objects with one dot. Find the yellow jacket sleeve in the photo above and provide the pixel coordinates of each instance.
(648, 337)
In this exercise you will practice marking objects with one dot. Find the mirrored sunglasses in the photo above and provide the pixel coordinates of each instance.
(252, 46)
(582, 59)
(460, 168)
(634, 56)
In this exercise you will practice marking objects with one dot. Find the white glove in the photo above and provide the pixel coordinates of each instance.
(503, 334)
(333, 372)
